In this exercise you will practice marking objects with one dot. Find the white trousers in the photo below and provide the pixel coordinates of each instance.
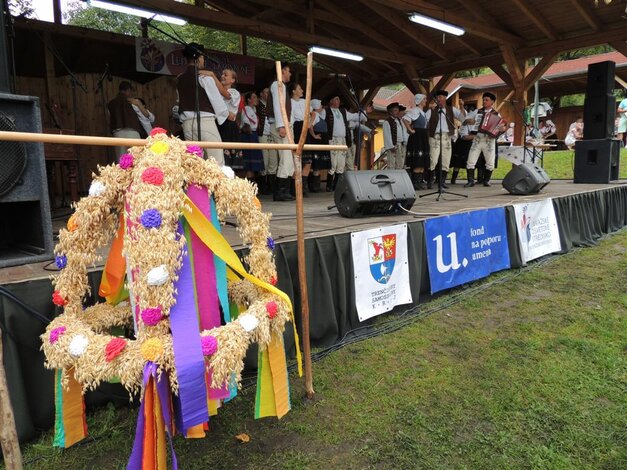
(338, 157)
(208, 133)
(396, 157)
(434, 149)
(482, 143)
(270, 157)
(124, 133)
(286, 160)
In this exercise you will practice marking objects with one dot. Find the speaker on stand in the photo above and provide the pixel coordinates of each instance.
(26, 228)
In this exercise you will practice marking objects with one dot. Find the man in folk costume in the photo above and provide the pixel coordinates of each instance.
(211, 106)
(278, 131)
(358, 128)
(339, 133)
(483, 142)
(440, 126)
(393, 138)
(123, 118)
(270, 157)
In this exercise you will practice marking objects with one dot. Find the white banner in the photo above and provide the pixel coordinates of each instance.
(537, 229)
(381, 270)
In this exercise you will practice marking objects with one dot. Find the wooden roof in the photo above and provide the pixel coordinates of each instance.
(396, 49)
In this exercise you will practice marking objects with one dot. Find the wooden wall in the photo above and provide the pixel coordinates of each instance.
(159, 94)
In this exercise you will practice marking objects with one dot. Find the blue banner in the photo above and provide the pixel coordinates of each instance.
(464, 247)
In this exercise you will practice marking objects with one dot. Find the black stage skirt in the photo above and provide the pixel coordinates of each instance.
(229, 132)
(461, 148)
(418, 149)
(253, 158)
(321, 158)
(306, 157)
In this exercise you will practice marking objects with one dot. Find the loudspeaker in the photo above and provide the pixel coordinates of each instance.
(597, 161)
(526, 178)
(600, 79)
(374, 192)
(26, 229)
(598, 116)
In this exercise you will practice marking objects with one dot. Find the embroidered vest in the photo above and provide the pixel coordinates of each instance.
(261, 115)
(393, 129)
(435, 118)
(330, 119)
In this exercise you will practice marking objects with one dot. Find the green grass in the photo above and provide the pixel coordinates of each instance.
(528, 374)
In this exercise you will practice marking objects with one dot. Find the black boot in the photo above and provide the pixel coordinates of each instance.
(443, 175)
(292, 187)
(270, 185)
(282, 192)
(454, 175)
(329, 184)
(480, 174)
(487, 174)
(336, 179)
(414, 180)
(429, 178)
(314, 183)
(305, 185)
(421, 181)
(471, 178)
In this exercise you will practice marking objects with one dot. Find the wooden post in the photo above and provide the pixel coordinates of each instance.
(8, 433)
(300, 216)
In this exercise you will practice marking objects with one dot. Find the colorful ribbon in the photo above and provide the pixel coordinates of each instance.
(114, 273)
(70, 424)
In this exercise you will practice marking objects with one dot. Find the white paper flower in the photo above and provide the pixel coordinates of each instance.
(157, 276)
(228, 172)
(97, 188)
(248, 322)
(78, 345)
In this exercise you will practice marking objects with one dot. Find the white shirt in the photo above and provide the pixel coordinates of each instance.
(221, 113)
(387, 134)
(339, 129)
(276, 104)
(146, 122)
(249, 116)
(298, 110)
(412, 114)
(232, 104)
(445, 126)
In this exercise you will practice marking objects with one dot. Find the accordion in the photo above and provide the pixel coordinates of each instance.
(491, 124)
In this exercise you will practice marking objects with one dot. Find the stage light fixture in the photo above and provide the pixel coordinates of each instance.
(436, 24)
(136, 12)
(335, 53)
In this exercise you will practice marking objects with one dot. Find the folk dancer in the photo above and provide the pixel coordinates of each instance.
(338, 132)
(253, 158)
(461, 147)
(318, 132)
(145, 116)
(270, 157)
(358, 128)
(415, 121)
(278, 131)
(393, 138)
(123, 119)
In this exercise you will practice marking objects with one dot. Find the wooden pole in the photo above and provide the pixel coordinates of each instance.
(8, 433)
(300, 218)
(114, 141)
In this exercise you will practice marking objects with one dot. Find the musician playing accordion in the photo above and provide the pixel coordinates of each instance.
(489, 125)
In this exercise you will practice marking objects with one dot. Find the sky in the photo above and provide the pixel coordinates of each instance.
(43, 8)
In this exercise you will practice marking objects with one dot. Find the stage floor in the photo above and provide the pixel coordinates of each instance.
(321, 221)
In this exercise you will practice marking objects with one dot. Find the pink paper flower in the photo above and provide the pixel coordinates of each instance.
(153, 175)
(126, 161)
(209, 345)
(271, 308)
(58, 299)
(114, 348)
(157, 130)
(151, 316)
(56, 333)
(195, 149)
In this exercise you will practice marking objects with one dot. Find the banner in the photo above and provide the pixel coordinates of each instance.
(152, 56)
(381, 270)
(538, 233)
(465, 247)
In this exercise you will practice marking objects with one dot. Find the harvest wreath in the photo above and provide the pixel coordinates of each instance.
(172, 276)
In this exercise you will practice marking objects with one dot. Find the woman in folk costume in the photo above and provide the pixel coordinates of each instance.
(461, 148)
(318, 134)
(297, 119)
(253, 158)
(415, 120)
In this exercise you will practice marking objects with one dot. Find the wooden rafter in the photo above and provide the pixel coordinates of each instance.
(369, 96)
(413, 77)
(620, 46)
(538, 70)
(514, 68)
(587, 14)
(609, 35)
(468, 44)
(444, 81)
(503, 75)
(347, 94)
(536, 18)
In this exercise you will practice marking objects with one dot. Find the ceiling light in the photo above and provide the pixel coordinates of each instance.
(334, 53)
(136, 12)
(437, 24)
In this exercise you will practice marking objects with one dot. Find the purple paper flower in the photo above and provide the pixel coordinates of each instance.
(209, 345)
(126, 161)
(56, 333)
(151, 218)
(270, 243)
(195, 149)
(60, 261)
(151, 316)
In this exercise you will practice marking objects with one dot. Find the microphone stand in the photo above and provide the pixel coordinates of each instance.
(360, 111)
(441, 191)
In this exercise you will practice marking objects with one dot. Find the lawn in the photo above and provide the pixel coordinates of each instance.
(527, 369)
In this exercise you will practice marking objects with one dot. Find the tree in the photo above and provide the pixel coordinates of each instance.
(21, 8)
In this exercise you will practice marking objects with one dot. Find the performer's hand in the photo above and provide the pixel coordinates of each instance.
(318, 136)
(282, 132)
(232, 116)
(207, 73)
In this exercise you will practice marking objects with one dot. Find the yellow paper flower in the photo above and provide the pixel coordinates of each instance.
(151, 349)
(159, 148)
(72, 225)
(257, 203)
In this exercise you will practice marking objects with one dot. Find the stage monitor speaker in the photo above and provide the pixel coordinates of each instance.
(526, 178)
(598, 117)
(600, 79)
(374, 192)
(597, 161)
(26, 231)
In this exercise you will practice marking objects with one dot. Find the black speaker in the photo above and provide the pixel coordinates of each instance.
(526, 178)
(597, 161)
(26, 229)
(600, 79)
(374, 192)
(598, 116)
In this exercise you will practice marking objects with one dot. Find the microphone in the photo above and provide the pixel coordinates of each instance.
(338, 75)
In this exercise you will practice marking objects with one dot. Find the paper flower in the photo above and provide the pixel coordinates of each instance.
(248, 322)
(159, 148)
(97, 188)
(55, 334)
(257, 203)
(151, 316)
(270, 243)
(195, 150)
(228, 172)
(72, 224)
(78, 345)
(151, 349)
(114, 348)
(157, 130)
(60, 261)
(157, 276)
(153, 175)
(271, 308)
(151, 218)
(58, 299)
(273, 281)
(209, 345)
(126, 161)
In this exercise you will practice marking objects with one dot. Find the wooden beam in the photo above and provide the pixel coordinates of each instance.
(444, 81)
(503, 75)
(311, 22)
(538, 70)
(536, 18)
(56, 11)
(584, 10)
(621, 82)
(328, 87)
(620, 46)
(414, 79)
(369, 96)
(516, 72)
(347, 94)
(49, 63)
(250, 27)
(468, 44)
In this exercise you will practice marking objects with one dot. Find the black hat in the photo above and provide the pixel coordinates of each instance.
(193, 50)
(391, 106)
(487, 94)
(441, 93)
(401, 107)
